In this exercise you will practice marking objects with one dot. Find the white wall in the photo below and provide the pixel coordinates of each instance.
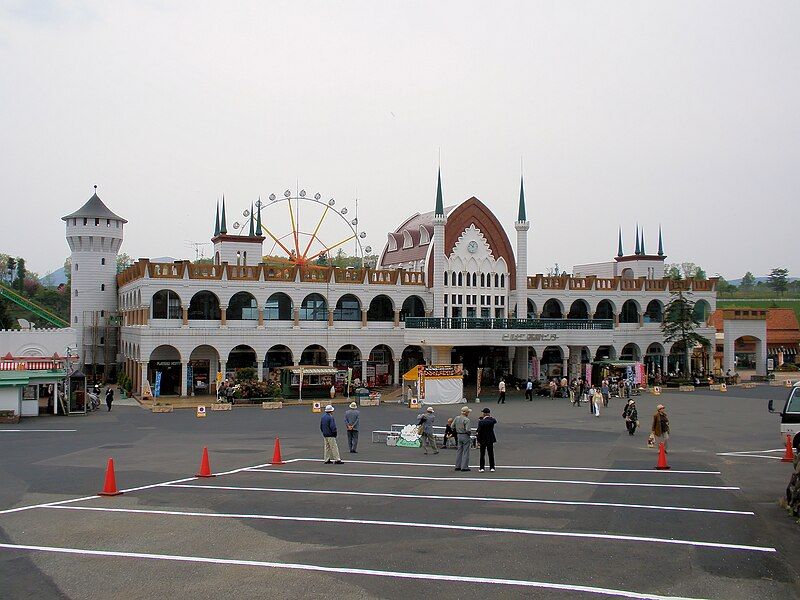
(36, 342)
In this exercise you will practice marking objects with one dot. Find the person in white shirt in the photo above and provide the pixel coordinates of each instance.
(502, 389)
(529, 391)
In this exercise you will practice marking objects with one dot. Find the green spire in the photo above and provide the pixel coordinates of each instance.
(660, 243)
(216, 221)
(223, 228)
(637, 252)
(252, 221)
(642, 248)
(258, 219)
(619, 244)
(439, 201)
(521, 214)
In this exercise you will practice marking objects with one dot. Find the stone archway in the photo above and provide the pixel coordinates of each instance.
(748, 323)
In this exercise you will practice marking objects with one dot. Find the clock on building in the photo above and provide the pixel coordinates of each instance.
(472, 247)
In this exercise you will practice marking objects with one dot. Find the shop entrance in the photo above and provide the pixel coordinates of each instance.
(493, 360)
(169, 382)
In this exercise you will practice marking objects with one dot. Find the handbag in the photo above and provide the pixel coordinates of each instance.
(651, 441)
(420, 429)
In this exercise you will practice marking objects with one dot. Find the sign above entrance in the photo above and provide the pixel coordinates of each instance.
(529, 337)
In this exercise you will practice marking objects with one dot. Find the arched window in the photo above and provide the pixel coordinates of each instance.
(531, 309)
(496, 280)
(578, 310)
(701, 311)
(166, 305)
(502, 280)
(654, 312)
(102, 287)
(204, 306)
(552, 310)
(605, 310)
(460, 279)
(348, 308)
(380, 309)
(278, 307)
(483, 279)
(242, 307)
(629, 313)
(314, 308)
(445, 277)
(412, 307)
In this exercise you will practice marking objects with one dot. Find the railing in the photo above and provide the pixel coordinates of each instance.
(481, 323)
(39, 311)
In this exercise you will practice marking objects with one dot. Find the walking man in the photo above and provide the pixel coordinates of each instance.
(605, 392)
(486, 439)
(109, 397)
(529, 391)
(328, 427)
(631, 416)
(660, 427)
(351, 418)
(425, 421)
(461, 424)
(502, 389)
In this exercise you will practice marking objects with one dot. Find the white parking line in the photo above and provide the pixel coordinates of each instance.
(133, 489)
(427, 525)
(37, 430)
(467, 498)
(504, 467)
(492, 479)
(351, 571)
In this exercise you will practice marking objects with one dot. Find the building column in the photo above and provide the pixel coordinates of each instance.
(296, 317)
(441, 355)
(641, 319)
(364, 372)
(363, 318)
(142, 375)
(521, 363)
(664, 358)
(223, 316)
(565, 367)
(728, 354)
(330, 317)
(185, 315)
(223, 364)
(396, 372)
(396, 318)
(761, 357)
(260, 370)
(260, 318)
(616, 320)
(184, 377)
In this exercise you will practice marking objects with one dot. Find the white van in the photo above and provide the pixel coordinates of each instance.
(790, 417)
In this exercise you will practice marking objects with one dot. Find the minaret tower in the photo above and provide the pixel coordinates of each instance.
(94, 235)
(522, 225)
(439, 221)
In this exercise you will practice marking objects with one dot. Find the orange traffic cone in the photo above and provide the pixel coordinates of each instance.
(662, 458)
(205, 465)
(788, 456)
(110, 485)
(276, 453)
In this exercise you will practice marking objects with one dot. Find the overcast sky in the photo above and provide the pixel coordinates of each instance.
(679, 113)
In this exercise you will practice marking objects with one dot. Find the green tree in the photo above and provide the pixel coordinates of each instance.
(68, 270)
(724, 286)
(679, 324)
(748, 282)
(779, 279)
(21, 273)
(123, 262)
(5, 319)
(672, 271)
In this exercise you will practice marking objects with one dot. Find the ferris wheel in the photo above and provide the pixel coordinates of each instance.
(304, 230)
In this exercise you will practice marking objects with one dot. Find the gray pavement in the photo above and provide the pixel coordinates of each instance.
(603, 523)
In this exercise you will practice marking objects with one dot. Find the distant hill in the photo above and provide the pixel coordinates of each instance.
(761, 279)
(54, 279)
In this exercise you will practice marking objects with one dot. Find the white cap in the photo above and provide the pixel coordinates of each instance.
(329, 408)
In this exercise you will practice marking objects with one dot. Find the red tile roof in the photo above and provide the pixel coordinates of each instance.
(782, 326)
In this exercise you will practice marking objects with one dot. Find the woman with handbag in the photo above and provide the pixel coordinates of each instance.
(631, 416)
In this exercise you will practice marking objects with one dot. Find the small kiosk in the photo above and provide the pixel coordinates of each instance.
(31, 386)
(316, 381)
(76, 393)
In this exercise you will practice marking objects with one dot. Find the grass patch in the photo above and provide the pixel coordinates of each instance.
(793, 304)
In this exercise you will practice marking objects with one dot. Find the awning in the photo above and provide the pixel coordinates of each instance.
(310, 370)
(412, 374)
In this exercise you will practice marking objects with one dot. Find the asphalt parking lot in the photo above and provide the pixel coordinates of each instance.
(575, 508)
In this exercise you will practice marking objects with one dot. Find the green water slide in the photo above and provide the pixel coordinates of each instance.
(42, 313)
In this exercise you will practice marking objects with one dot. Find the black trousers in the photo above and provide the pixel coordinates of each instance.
(528, 394)
(108, 403)
(502, 398)
(631, 425)
(484, 449)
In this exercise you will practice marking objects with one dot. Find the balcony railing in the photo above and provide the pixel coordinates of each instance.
(479, 323)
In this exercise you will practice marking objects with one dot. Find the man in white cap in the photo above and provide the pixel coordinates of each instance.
(461, 425)
(425, 422)
(351, 418)
(328, 427)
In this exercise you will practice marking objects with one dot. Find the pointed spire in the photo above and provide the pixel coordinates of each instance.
(258, 219)
(223, 228)
(521, 215)
(642, 247)
(439, 202)
(637, 252)
(660, 242)
(252, 222)
(619, 243)
(216, 220)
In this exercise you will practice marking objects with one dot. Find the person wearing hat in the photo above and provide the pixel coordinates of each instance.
(330, 447)
(425, 422)
(631, 416)
(461, 425)
(660, 427)
(486, 438)
(351, 418)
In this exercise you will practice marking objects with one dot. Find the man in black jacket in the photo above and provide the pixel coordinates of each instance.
(486, 439)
